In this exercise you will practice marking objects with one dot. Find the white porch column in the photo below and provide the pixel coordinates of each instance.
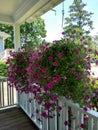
(16, 37)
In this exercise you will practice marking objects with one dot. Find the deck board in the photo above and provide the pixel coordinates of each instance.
(15, 119)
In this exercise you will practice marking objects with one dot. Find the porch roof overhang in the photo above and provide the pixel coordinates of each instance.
(18, 11)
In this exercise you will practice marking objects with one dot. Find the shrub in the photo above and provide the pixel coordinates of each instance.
(3, 69)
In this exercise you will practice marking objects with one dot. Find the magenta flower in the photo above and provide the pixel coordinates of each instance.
(89, 50)
(57, 78)
(88, 100)
(32, 115)
(59, 55)
(64, 78)
(82, 38)
(66, 123)
(77, 61)
(43, 70)
(87, 88)
(55, 64)
(42, 47)
(88, 58)
(54, 98)
(85, 119)
(48, 106)
(59, 108)
(37, 111)
(39, 75)
(39, 120)
(51, 116)
(87, 80)
(44, 115)
(40, 54)
(50, 85)
(50, 58)
(48, 78)
(12, 53)
(82, 126)
(85, 108)
(96, 52)
(93, 82)
(97, 62)
(79, 76)
(30, 100)
(56, 42)
(76, 51)
(63, 33)
(36, 65)
(73, 70)
(74, 31)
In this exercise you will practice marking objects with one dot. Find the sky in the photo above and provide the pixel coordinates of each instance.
(53, 18)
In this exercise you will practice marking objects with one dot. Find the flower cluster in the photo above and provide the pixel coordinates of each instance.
(17, 64)
(61, 68)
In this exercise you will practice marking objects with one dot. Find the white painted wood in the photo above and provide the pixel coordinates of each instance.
(21, 10)
(44, 124)
(57, 123)
(63, 115)
(16, 37)
(3, 36)
(95, 124)
(52, 123)
(90, 124)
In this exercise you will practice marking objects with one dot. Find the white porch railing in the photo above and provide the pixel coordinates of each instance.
(5, 54)
(8, 95)
(8, 98)
(29, 105)
(2, 55)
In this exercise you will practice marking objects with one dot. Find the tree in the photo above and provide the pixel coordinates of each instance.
(32, 33)
(96, 40)
(29, 32)
(95, 43)
(79, 18)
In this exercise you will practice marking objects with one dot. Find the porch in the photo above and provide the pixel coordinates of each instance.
(15, 119)
(12, 117)
(18, 111)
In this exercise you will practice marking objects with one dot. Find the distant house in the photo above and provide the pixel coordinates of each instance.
(3, 36)
(3, 52)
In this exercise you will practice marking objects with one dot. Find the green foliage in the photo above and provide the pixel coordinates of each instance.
(3, 69)
(96, 42)
(78, 19)
(71, 65)
(9, 42)
(96, 57)
(32, 32)
(19, 64)
(94, 99)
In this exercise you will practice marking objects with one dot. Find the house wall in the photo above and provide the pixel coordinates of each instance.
(1, 44)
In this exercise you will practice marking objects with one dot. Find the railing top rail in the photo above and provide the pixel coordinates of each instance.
(89, 112)
(1, 78)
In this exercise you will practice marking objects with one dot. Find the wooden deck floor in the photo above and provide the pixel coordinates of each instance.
(15, 119)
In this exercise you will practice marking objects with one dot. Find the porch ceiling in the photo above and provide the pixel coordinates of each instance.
(17, 11)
